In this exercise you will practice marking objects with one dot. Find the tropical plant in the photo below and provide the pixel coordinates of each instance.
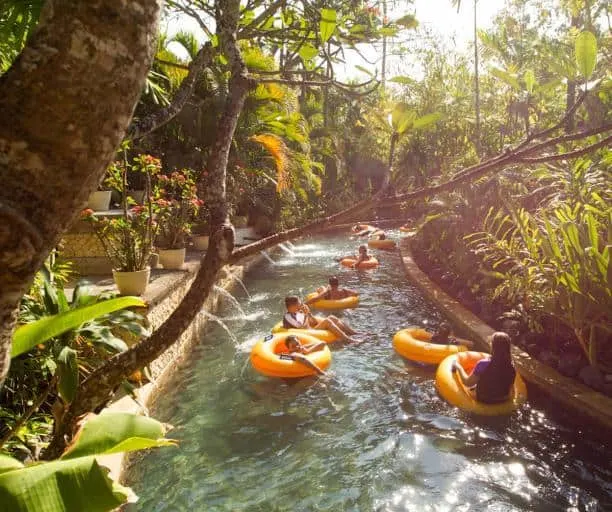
(58, 341)
(177, 205)
(128, 239)
(77, 481)
(557, 263)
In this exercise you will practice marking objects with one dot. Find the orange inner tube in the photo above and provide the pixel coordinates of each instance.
(350, 262)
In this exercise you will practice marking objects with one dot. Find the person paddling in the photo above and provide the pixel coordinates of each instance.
(332, 292)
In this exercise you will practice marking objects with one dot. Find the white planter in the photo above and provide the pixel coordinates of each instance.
(132, 283)
(99, 201)
(172, 259)
(200, 242)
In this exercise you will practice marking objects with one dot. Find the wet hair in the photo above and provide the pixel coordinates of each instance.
(382, 236)
(291, 300)
(333, 281)
(292, 338)
(363, 247)
(444, 329)
(500, 348)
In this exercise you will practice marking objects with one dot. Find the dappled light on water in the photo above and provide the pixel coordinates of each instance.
(373, 435)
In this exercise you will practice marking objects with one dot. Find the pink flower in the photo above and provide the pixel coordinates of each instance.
(138, 209)
(162, 203)
(87, 212)
(197, 202)
(163, 177)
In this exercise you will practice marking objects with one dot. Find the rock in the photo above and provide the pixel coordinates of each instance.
(607, 389)
(533, 349)
(570, 364)
(608, 378)
(549, 358)
(592, 377)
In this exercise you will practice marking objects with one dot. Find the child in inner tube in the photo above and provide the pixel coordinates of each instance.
(298, 316)
(492, 377)
(444, 336)
(332, 292)
(362, 256)
(297, 352)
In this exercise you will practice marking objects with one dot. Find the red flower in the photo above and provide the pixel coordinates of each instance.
(197, 202)
(87, 212)
(162, 203)
(137, 209)
(163, 177)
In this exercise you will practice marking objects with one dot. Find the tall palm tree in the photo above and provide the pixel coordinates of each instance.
(457, 3)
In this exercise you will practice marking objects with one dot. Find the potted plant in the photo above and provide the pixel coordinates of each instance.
(178, 204)
(128, 237)
(200, 231)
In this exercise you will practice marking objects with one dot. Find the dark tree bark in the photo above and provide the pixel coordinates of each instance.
(64, 107)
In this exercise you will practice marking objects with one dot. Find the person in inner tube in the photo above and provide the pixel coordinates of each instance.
(297, 352)
(444, 336)
(298, 316)
(492, 377)
(362, 256)
(362, 229)
(332, 292)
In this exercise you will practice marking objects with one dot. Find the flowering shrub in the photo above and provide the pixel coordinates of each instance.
(128, 238)
(177, 204)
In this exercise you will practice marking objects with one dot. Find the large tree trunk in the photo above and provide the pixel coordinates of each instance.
(64, 106)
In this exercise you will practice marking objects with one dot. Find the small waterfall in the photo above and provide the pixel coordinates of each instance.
(286, 249)
(289, 244)
(267, 256)
(223, 325)
(231, 275)
(231, 298)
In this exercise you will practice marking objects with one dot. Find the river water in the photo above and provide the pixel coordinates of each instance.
(373, 436)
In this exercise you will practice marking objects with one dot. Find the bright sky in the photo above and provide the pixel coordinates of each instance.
(437, 15)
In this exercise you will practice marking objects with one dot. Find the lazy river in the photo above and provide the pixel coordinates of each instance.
(373, 436)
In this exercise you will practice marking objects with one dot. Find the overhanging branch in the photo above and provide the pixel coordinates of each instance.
(152, 122)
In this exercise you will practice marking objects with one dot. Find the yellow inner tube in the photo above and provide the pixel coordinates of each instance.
(451, 387)
(320, 334)
(381, 244)
(349, 262)
(265, 357)
(348, 302)
(413, 344)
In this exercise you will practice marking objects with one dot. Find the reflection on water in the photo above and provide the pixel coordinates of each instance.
(372, 436)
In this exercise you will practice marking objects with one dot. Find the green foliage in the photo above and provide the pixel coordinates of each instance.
(585, 49)
(327, 24)
(32, 334)
(76, 481)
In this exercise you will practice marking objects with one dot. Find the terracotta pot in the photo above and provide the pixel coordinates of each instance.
(132, 283)
(99, 201)
(172, 259)
(200, 242)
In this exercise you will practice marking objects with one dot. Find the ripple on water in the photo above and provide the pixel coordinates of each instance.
(373, 436)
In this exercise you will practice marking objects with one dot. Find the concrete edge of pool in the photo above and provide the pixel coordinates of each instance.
(584, 402)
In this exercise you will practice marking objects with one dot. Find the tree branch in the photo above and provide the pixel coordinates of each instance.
(142, 127)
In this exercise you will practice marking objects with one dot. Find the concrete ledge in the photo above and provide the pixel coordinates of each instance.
(586, 405)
